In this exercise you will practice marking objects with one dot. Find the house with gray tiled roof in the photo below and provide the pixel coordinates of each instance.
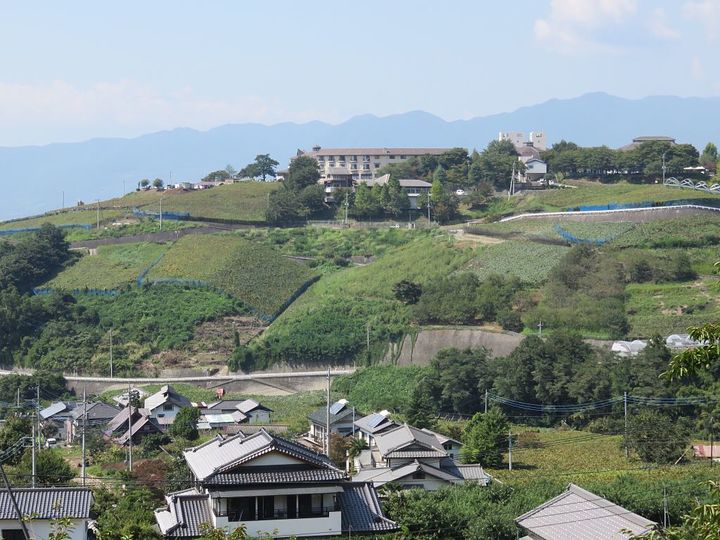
(577, 514)
(273, 486)
(92, 415)
(244, 410)
(164, 405)
(342, 417)
(411, 457)
(370, 426)
(43, 505)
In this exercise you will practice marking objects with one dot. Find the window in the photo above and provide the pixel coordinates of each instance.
(366, 158)
(341, 158)
(332, 163)
(376, 157)
(403, 157)
(419, 475)
(366, 166)
(321, 158)
(12, 534)
(353, 158)
(392, 157)
(168, 407)
(353, 166)
(377, 165)
(241, 509)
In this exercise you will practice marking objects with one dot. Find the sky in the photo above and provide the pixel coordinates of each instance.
(70, 71)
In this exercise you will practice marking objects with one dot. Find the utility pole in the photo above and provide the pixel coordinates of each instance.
(486, 400)
(428, 205)
(664, 168)
(511, 191)
(129, 429)
(20, 517)
(540, 327)
(63, 199)
(98, 213)
(712, 440)
(111, 354)
(627, 452)
(161, 214)
(347, 205)
(327, 417)
(666, 520)
(33, 456)
(83, 434)
(510, 450)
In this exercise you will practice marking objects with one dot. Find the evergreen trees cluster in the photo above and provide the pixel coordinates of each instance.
(300, 197)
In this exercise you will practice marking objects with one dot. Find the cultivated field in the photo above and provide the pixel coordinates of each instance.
(112, 267)
(257, 275)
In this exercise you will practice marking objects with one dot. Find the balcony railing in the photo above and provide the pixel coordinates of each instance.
(314, 512)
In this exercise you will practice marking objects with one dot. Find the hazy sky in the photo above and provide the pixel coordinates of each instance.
(75, 70)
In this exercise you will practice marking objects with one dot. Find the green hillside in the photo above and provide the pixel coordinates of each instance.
(257, 275)
(111, 267)
(243, 201)
(67, 217)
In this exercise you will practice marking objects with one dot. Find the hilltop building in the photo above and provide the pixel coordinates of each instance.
(535, 139)
(637, 141)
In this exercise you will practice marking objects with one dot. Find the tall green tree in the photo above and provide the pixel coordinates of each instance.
(655, 437)
(709, 157)
(485, 439)
(303, 172)
(263, 166)
(185, 424)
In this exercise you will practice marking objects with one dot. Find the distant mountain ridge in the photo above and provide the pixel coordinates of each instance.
(34, 177)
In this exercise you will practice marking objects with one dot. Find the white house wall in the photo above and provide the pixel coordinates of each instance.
(283, 528)
(41, 529)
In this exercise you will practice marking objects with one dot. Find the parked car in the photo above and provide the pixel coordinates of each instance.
(459, 192)
(50, 442)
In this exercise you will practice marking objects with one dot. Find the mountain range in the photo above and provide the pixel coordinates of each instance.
(34, 178)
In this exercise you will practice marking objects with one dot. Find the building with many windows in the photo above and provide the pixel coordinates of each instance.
(344, 167)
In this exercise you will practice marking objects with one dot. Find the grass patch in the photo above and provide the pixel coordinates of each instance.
(67, 217)
(113, 267)
(245, 201)
(257, 275)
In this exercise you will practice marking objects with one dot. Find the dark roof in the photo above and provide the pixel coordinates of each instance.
(277, 475)
(47, 503)
(375, 423)
(95, 411)
(136, 427)
(319, 416)
(361, 511)
(184, 515)
(577, 514)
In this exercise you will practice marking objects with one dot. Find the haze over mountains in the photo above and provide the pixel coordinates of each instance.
(34, 177)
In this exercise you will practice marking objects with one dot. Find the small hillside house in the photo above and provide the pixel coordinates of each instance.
(42, 506)
(342, 416)
(164, 405)
(581, 515)
(370, 426)
(120, 428)
(271, 485)
(92, 415)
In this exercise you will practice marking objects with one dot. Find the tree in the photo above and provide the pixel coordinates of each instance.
(303, 172)
(211, 533)
(709, 157)
(356, 446)
(398, 201)
(485, 439)
(51, 469)
(158, 183)
(185, 424)
(144, 183)
(265, 166)
(440, 175)
(655, 438)
(230, 170)
(217, 176)
(437, 192)
(367, 203)
(421, 411)
(14, 429)
(407, 292)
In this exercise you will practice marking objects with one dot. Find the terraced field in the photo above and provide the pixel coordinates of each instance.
(530, 261)
(111, 267)
(668, 308)
(255, 274)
